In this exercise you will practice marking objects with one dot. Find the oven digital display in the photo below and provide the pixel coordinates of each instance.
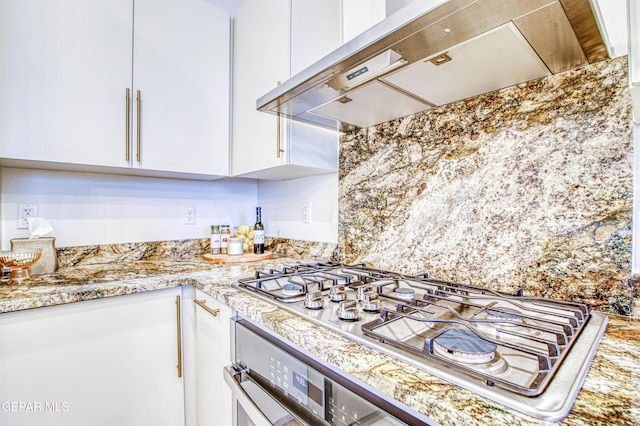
(300, 383)
(308, 389)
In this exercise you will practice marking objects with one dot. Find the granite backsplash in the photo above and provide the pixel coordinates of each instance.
(530, 186)
(179, 249)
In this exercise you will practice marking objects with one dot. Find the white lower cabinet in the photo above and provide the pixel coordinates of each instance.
(126, 360)
(102, 362)
(213, 352)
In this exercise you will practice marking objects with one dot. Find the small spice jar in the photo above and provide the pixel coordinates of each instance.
(215, 239)
(225, 234)
(235, 246)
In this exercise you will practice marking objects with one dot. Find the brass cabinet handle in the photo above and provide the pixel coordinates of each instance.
(201, 303)
(139, 101)
(279, 149)
(128, 122)
(179, 329)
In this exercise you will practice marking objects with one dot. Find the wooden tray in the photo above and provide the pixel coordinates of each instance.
(247, 257)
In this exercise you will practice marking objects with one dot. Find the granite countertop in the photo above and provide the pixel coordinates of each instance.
(608, 396)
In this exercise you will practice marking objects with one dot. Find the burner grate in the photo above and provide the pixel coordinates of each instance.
(419, 326)
(543, 347)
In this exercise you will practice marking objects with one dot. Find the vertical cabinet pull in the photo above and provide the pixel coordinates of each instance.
(279, 149)
(128, 122)
(179, 334)
(139, 101)
(201, 303)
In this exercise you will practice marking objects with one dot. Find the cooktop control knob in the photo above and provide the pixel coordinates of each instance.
(362, 290)
(371, 302)
(337, 293)
(348, 311)
(313, 300)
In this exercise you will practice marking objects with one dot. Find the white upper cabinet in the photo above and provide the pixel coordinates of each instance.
(273, 41)
(181, 68)
(64, 69)
(67, 66)
(360, 15)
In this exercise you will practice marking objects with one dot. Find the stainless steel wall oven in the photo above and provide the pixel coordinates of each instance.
(276, 383)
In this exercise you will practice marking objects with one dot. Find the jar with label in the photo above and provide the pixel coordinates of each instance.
(215, 239)
(225, 234)
(235, 246)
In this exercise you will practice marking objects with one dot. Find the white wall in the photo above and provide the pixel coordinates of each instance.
(87, 209)
(281, 203)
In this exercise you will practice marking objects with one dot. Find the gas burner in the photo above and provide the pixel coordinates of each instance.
(464, 346)
(404, 293)
(292, 289)
(337, 293)
(371, 302)
(314, 300)
(348, 311)
(505, 314)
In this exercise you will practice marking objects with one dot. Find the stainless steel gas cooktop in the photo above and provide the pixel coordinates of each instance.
(530, 354)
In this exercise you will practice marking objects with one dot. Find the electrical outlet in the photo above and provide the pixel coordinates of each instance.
(190, 216)
(306, 212)
(25, 211)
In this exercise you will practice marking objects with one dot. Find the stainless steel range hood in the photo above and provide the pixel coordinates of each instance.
(433, 52)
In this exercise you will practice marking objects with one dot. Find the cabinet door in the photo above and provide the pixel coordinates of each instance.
(360, 15)
(64, 69)
(213, 353)
(261, 59)
(272, 42)
(101, 362)
(181, 68)
(315, 31)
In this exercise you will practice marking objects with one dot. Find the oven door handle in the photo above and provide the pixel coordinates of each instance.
(263, 408)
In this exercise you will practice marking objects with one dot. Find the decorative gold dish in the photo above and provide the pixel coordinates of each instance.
(18, 261)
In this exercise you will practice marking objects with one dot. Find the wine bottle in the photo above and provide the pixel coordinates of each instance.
(258, 233)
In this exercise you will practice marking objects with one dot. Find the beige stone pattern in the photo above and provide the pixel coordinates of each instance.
(609, 394)
(530, 187)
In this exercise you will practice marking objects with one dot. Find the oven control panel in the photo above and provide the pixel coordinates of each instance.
(296, 381)
(305, 391)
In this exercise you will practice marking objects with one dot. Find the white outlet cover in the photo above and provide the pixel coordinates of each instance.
(26, 211)
(306, 212)
(190, 215)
